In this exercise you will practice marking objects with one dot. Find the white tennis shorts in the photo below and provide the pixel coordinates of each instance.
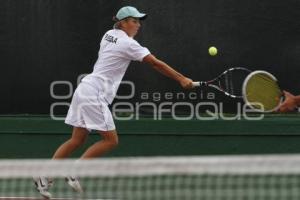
(89, 110)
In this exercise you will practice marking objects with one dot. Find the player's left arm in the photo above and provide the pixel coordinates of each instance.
(168, 71)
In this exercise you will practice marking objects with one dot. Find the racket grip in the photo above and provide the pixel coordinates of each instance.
(196, 84)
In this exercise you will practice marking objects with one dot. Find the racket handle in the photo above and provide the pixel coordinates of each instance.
(196, 84)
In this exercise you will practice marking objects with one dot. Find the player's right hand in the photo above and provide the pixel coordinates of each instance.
(186, 83)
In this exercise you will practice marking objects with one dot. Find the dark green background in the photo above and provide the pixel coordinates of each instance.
(39, 137)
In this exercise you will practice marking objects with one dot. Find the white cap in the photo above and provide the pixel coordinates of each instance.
(129, 11)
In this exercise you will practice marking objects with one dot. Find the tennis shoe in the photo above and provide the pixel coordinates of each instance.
(42, 185)
(74, 183)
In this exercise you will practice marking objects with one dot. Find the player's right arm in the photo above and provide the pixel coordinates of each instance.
(168, 71)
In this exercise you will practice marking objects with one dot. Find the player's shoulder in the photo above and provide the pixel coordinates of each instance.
(131, 41)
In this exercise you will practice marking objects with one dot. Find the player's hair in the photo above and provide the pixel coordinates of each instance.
(117, 24)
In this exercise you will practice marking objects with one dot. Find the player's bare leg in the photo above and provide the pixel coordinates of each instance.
(78, 138)
(109, 141)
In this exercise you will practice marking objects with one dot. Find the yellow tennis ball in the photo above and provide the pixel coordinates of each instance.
(213, 51)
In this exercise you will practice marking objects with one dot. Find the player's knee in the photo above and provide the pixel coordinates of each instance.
(112, 140)
(75, 143)
(116, 142)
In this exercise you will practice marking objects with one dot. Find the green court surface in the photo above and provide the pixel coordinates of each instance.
(27, 136)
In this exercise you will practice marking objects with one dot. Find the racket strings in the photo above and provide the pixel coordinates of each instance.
(267, 79)
(230, 82)
(263, 92)
(268, 82)
(233, 79)
(220, 84)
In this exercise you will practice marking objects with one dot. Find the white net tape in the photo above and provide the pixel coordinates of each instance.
(216, 177)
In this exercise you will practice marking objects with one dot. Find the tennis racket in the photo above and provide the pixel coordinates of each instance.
(230, 82)
(261, 92)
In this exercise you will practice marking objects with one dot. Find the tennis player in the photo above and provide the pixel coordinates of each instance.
(89, 107)
(290, 103)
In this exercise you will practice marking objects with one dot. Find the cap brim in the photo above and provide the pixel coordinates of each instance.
(141, 16)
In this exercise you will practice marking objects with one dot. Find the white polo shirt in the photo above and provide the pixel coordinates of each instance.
(117, 49)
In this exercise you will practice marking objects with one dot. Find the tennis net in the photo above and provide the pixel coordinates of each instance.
(207, 177)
